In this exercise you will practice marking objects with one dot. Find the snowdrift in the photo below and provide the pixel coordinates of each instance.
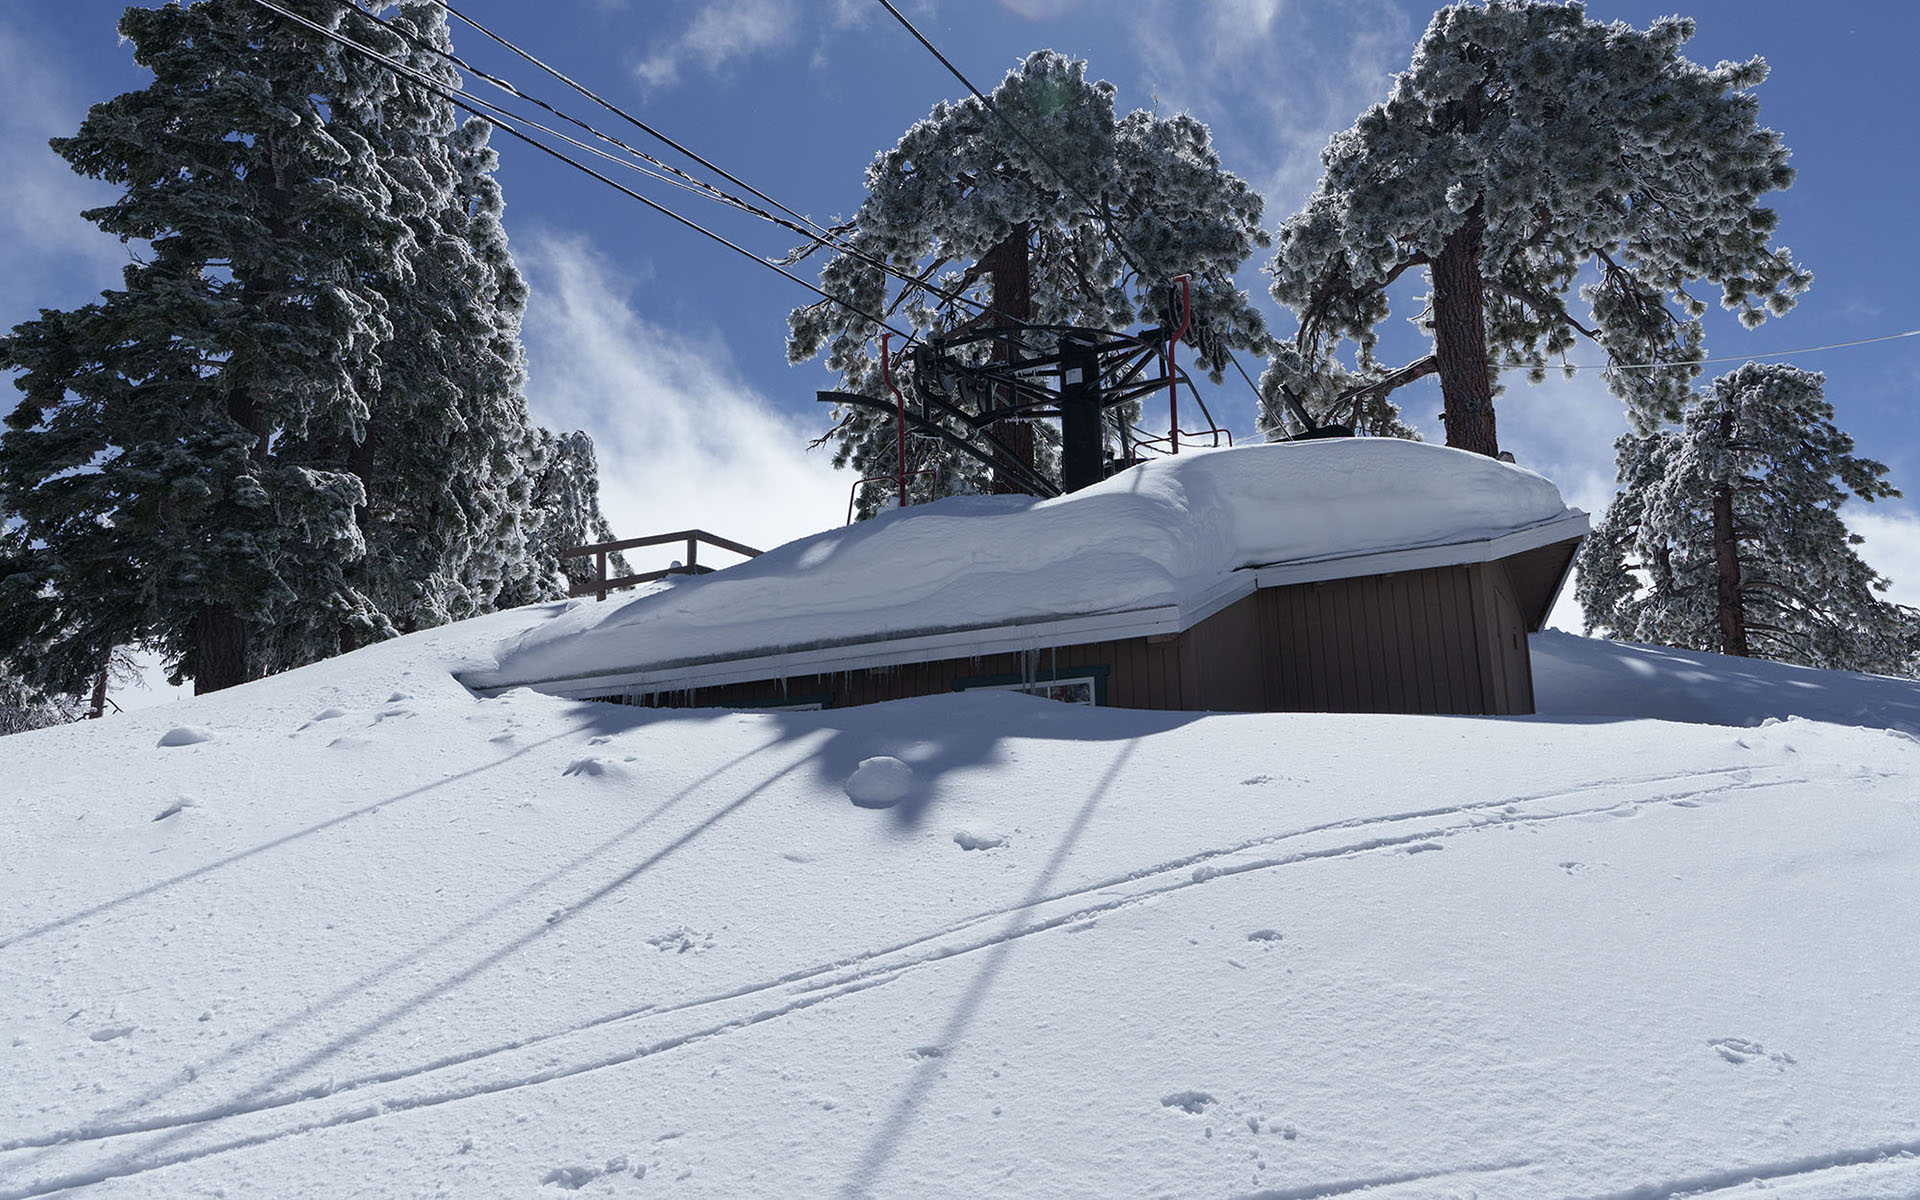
(353, 932)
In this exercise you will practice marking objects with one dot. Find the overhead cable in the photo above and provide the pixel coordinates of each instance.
(1649, 366)
(820, 235)
(461, 101)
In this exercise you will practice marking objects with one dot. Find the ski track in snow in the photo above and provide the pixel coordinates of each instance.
(1747, 1179)
(824, 983)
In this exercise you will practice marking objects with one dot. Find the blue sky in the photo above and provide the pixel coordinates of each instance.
(669, 350)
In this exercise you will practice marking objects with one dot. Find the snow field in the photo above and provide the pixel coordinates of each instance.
(393, 940)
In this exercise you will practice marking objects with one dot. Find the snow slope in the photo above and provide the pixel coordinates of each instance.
(361, 934)
(1166, 532)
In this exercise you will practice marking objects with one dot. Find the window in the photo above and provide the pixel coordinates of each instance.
(1069, 685)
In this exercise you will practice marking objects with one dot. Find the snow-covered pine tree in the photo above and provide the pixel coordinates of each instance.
(1728, 535)
(144, 464)
(565, 512)
(1524, 145)
(302, 426)
(960, 186)
(443, 457)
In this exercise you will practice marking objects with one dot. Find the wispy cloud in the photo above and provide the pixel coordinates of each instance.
(683, 442)
(721, 32)
(1274, 78)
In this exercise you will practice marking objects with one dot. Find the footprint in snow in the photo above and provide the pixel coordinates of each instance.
(1740, 1051)
(111, 1033)
(1187, 1102)
(593, 766)
(681, 941)
(1265, 935)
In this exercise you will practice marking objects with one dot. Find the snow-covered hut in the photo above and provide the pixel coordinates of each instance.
(1350, 575)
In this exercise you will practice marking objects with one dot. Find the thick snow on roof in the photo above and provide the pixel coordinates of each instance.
(1168, 532)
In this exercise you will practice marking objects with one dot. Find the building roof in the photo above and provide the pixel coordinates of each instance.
(1154, 549)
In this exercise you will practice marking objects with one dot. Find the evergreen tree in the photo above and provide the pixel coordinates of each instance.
(444, 456)
(301, 425)
(1524, 145)
(1728, 535)
(962, 202)
(564, 512)
(146, 463)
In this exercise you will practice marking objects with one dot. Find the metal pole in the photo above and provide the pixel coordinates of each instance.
(1173, 385)
(899, 418)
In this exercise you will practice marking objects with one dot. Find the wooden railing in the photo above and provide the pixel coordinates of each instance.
(600, 585)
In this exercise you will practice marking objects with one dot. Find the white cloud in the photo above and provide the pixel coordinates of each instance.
(683, 442)
(1892, 546)
(720, 33)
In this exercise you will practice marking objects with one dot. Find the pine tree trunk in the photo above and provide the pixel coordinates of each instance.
(1012, 295)
(219, 649)
(1733, 615)
(1460, 338)
(98, 708)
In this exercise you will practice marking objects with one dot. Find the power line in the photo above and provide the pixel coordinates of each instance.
(829, 236)
(459, 100)
(691, 183)
(1648, 366)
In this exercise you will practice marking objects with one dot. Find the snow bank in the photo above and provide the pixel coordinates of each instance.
(379, 938)
(1166, 532)
(1576, 676)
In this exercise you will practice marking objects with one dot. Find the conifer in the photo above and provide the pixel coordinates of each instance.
(1525, 145)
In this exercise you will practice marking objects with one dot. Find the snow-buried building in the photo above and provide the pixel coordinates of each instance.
(1350, 575)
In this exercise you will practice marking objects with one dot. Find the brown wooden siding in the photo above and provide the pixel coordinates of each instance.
(1444, 640)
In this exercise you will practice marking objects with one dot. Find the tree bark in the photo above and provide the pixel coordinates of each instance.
(1460, 337)
(1011, 273)
(219, 649)
(1726, 552)
(98, 708)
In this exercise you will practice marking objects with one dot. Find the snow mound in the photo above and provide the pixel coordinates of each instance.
(1166, 532)
(880, 782)
(1577, 676)
(187, 735)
